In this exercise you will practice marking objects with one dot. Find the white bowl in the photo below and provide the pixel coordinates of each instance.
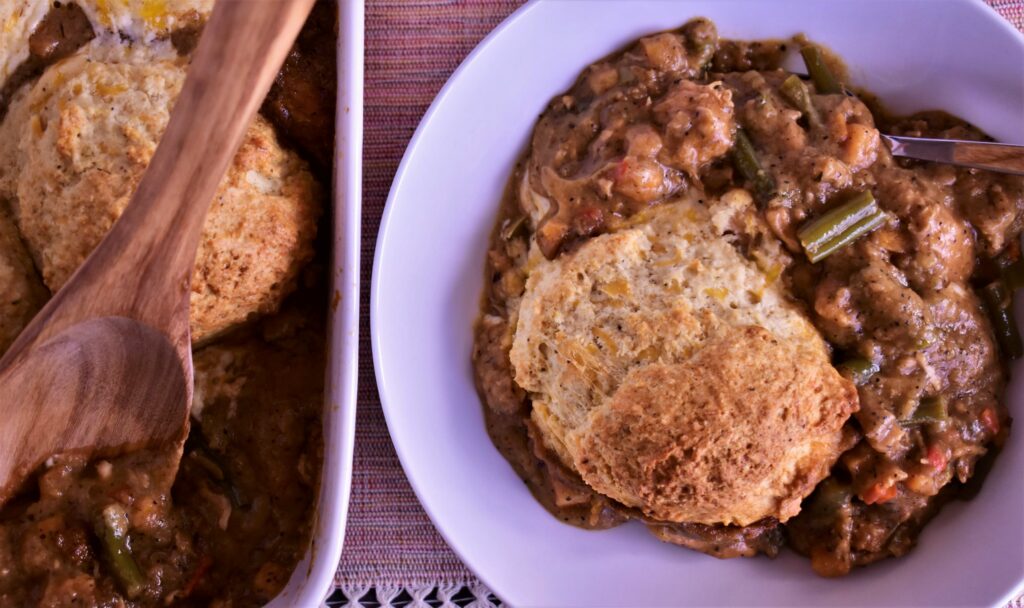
(957, 55)
(314, 575)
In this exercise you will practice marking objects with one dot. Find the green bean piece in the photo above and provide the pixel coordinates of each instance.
(837, 220)
(999, 302)
(860, 229)
(701, 43)
(745, 158)
(930, 409)
(797, 93)
(113, 535)
(825, 82)
(858, 370)
(841, 226)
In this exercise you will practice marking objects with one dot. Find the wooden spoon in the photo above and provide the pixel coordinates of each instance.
(106, 366)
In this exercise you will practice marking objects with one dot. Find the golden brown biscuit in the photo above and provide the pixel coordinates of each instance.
(741, 431)
(74, 146)
(22, 293)
(654, 296)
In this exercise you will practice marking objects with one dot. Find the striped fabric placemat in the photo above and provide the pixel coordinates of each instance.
(393, 555)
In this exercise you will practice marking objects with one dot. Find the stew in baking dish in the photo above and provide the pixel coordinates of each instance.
(82, 112)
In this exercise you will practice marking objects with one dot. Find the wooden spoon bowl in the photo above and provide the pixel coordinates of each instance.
(90, 355)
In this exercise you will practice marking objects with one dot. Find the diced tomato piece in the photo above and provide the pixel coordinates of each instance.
(937, 458)
(879, 493)
(990, 420)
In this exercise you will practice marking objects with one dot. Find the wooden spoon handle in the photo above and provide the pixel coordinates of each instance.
(150, 252)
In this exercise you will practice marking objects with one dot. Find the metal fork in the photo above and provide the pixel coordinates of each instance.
(1004, 158)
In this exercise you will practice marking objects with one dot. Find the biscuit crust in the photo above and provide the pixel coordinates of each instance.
(741, 431)
(73, 149)
(640, 348)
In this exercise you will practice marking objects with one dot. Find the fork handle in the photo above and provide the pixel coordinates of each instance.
(1003, 158)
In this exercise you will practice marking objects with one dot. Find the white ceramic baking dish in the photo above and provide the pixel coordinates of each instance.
(314, 575)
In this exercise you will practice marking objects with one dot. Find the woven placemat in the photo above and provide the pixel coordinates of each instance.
(393, 555)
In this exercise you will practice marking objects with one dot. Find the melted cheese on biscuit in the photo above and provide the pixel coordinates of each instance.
(18, 19)
(143, 19)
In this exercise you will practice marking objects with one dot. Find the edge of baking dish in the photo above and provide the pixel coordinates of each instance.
(314, 575)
